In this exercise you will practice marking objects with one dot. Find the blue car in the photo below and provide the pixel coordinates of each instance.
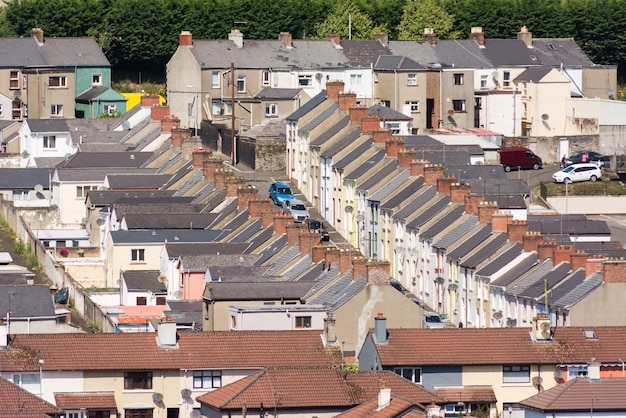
(279, 192)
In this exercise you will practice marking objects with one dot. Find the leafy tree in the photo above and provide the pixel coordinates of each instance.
(421, 14)
(348, 21)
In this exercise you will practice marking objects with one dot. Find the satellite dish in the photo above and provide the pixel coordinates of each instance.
(545, 116)
(537, 380)
(67, 156)
(25, 154)
(100, 222)
(545, 326)
(318, 77)
(178, 294)
(17, 94)
(497, 315)
(38, 188)
(103, 188)
(195, 414)
(126, 125)
(185, 393)
(494, 74)
(157, 397)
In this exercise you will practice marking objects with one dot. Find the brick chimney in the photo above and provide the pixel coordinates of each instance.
(405, 157)
(444, 184)
(37, 33)
(369, 124)
(281, 220)
(344, 100)
(345, 259)
(531, 241)
(318, 253)
(359, 266)
(516, 230)
(578, 259)
(378, 273)
(179, 135)
(524, 35)
(500, 221)
(458, 192)
(233, 183)
(168, 123)
(393, 146)
(429, 36)
(433, 172)
(546, 250)
(267, 217)
(189, 146)
(286, 38)
(380, 136)
(158, 112)
(486, 211)
(149, 100)
(185, 38)
(417, 167)
(256, 206)
(199, 156)
(292, 230)
(333, 88)
(220, 178)
(614, 270)
(477, 35)
(594, 264)
(335, 39)
(471, 203)
(382, 38)
(332, 256)
(357, 113)
(245, 195)
(210, 166)
(307, 240)
(563, 253)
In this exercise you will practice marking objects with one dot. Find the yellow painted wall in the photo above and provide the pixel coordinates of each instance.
(135, 98)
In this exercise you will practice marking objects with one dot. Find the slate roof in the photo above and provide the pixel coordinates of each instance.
(396, 62)
(13, 398)
(165, 235)
(83, 175)
(559, 273)
(392, 201)
(237, 291)
(354, 154)
(418, 200)
(557, 51)
(107, 197)
(332, 388)
(490, 247)
(47, 125)
(365, 166)
(534, 275)
(576, 395)
(24, 178)
(308, 106)
(343, 143)
(313, 273)
(533, 74)
(146, 280)
(259, 239)
(429, 211)
(574, 289)
(451, 215)
(139, 351)
(277, 93)
(340, 291)
(525, 264)
(26, 301)
(85, 400)
(170, 205)
(362, 53)
(251, 229)
(185, 312)
(472, 241)
(387, 114)
(324, 114)
(129, 181)
(91, 94)
(455, 234)
(417, 347)
(568, 224)
(106, 159)
(392, 186)
(502, 260)
(25, 52)
(270, 250)
(283, 258)
(379, 175)
(330, 132)
(509, 53)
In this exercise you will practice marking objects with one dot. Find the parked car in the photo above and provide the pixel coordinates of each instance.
(578, 172)
(279, 192)
(519, 157)
(315, 225)
(592, 157)
(297, 209)
(433, 320)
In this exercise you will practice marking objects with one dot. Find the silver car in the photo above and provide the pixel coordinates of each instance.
(297, 209)
(578, 172)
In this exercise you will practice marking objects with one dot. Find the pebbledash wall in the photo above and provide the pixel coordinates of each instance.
(54, 270)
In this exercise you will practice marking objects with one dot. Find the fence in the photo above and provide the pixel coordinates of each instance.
(55, 271)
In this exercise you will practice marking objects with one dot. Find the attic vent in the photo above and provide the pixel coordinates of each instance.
(551, 47)
(590, 334)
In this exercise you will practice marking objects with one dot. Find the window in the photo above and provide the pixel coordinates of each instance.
(414, 374)
(56, 110)
(99, 414)
(507, 78)
(14, 80)
(49, 141)
(305, 80)
(413, 105)
(142, 301)
(577, 371)
(241, 84)
(458, 105)
(1, 111)
(394, 127)
(137, 255)
(27, 381)
(355, 79)
(96, 79)
(271, 109)
(160, 300)
(515, 374)
(110, 109)
(483, 81)
(20, 195)
(57, 81)
(265, 78)
(137, 380)
(458, 79)
(138, 413)
(82, 191)
(207, 379)
(215, 79)
(386, 103)
(411, 80)
(303, 322)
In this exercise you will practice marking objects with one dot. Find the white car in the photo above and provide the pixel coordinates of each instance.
(578, 172)
(297, 209)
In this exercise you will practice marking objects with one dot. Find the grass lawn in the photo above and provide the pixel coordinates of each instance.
(587, 188)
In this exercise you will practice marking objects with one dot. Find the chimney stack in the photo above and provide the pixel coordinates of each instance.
(405, 157)
(179, 134)
(393, 146)
(369, 124)
(245, 195)
(236, 36)
(444, 184)
(335, 39)
(546, 250)
(471, 203)
(357, 113)
(292, 231)
(433, 172)
(614, 270)
(380, 329)
(286, 38)
(210, 166)
(233, 183)
(563, 253)
(281, 220)
(344, 100)
(380, 136)
(168, 123)
(382, 38)
(525, 36)
(477, 35)
(185, 39)
(516, 230)
(531, 241)
(37, 33)
(417, 167)
(359, 266)
(256, 206)
(458, 191)
(318, 253)
(333, 88)
(500, 221)
(429, 36)
(378, 273)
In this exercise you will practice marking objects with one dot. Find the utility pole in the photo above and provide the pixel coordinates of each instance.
(232, 113)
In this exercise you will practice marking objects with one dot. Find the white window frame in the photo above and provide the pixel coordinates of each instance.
(215, 79)
(411, 80)
(1, 110)
(577, 371)
(413, 374)
(305, 80)
(356, 79)
(110, 109)
(483, 81)
(60, 79)
(271, 110)
(265, 78)
(82, 191)
(207, 379)
(96, 79)
(33, 381)
(241, 84)
(56, 110)
(506, 76)
(459, 79)
(49, 142)
(20, 195)
(137, 255)
(516, 374)
(414, 105)
(394, 127)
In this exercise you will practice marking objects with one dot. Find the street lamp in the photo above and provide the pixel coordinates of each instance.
(41, 362)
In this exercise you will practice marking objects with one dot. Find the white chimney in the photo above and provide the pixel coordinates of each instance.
(166, 335)
(4, 337)
(593, 370)
(236, 36)
(384, 397)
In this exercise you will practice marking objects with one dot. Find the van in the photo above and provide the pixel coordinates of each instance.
(519, 157)
(433, 320)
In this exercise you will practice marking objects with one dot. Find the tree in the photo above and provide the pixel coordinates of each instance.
(421, 14)
(349, 22)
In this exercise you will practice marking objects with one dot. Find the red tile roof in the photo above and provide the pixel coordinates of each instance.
(15, 401)
(482, 394)
(577, 394)
(88, 400)
(139, 351)
(398, 407)
(292, 388)
(467, 346)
